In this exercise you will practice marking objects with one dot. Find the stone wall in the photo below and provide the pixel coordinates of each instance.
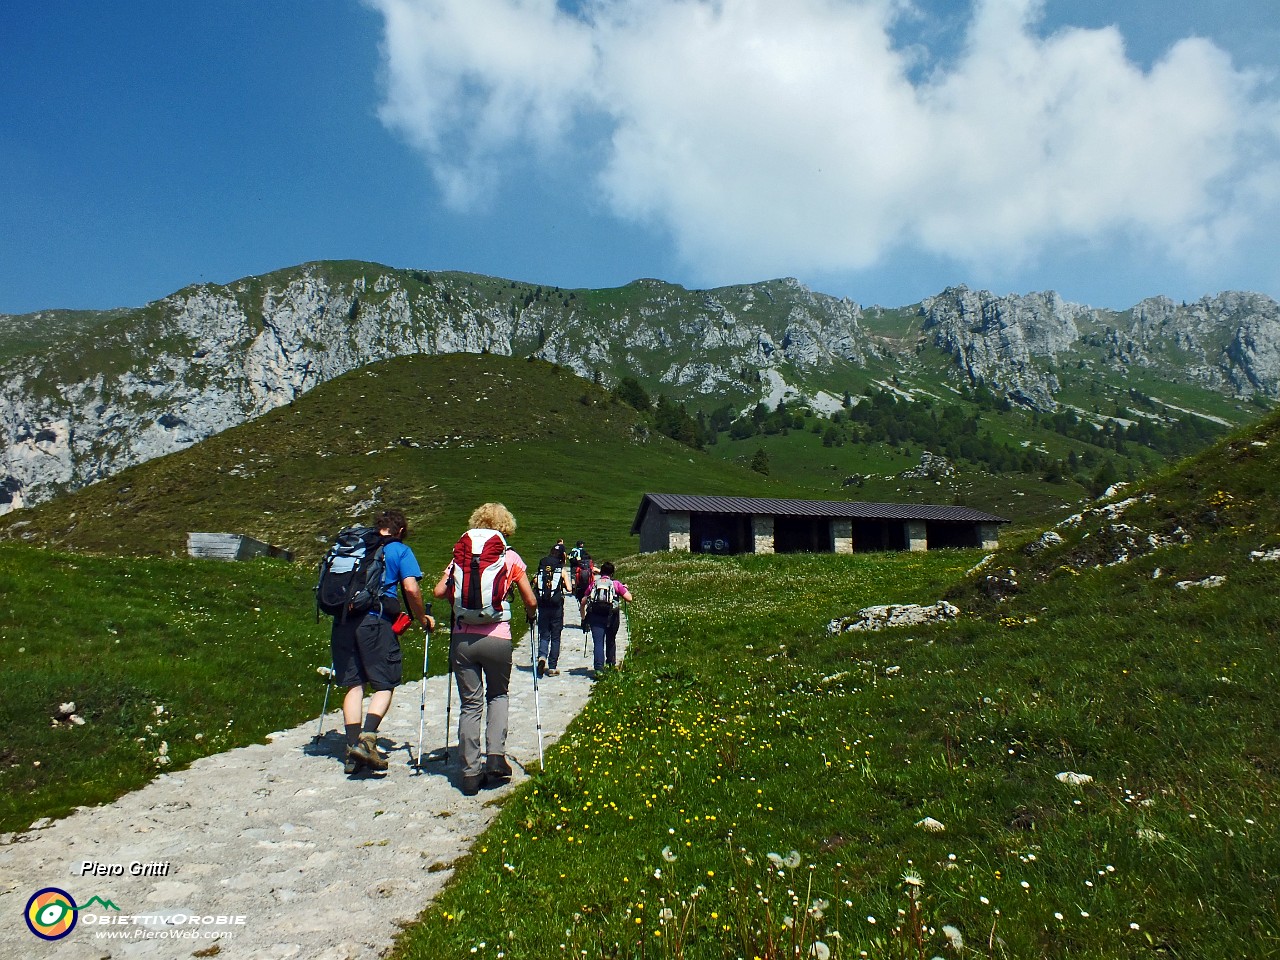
(678, 527)
(842, 536)
(917, 535)
(762, 533)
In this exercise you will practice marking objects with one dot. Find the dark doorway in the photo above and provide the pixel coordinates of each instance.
(720, 533)
(874, 535)
(941, 534)
(802, 535)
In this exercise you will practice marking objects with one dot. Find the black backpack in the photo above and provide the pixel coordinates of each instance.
(550, 583)
(351, 573)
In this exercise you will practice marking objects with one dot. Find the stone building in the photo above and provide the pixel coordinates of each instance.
(701, 524)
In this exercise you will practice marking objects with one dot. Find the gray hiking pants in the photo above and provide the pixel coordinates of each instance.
(482, 669)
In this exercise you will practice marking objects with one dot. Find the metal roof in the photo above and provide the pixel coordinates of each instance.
(843, 509)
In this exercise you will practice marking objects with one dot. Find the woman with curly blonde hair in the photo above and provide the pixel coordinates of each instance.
(493, 516)
(480, 651)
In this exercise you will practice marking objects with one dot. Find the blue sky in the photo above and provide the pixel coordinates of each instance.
(874, 149)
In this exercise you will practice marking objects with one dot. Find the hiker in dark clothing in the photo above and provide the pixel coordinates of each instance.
(552, 585)
(366, 652)
(580, 570)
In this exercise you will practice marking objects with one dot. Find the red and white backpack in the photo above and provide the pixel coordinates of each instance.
(479, 580)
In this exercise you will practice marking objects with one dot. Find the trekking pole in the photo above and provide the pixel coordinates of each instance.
(422, 705)
(448, 712)
(327, 673)
(537, 706)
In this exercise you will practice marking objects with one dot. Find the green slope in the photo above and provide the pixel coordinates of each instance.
(435, 436)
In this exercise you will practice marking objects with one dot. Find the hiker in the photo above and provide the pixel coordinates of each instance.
(551, 585)
(480, 645)
(366, 651)
(602, 614)
(580, 570)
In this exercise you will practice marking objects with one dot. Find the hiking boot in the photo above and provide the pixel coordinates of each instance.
(366, 751)
(471, 785)
(499, 771)
(542, 666)
(552, 672)
(352, 762)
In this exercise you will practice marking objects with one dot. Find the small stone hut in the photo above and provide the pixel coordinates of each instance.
(700, 524)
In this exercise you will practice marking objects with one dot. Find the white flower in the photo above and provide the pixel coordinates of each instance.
(667, 855)
(912, 880)
(1074, 779)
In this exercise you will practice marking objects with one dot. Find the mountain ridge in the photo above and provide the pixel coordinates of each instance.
(169, 374)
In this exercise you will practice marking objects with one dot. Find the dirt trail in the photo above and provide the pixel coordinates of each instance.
(270, 848)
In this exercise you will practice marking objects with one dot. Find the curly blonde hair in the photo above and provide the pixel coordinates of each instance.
(494, 516)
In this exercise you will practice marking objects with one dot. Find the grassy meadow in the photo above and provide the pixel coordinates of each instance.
(1096, 753)
(165, 660)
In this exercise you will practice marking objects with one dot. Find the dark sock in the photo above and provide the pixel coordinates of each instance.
(353, 734)
(371, 721)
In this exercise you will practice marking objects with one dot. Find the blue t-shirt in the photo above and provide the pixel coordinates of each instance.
(401, 563)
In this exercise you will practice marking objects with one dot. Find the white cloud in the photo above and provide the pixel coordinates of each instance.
(467, 79)
(769, 137)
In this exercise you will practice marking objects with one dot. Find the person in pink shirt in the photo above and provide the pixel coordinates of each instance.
(480, 654)
(601, 613)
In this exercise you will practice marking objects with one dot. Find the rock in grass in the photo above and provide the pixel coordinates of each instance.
(931, 825)
(1206, 582)
(1073, 779)
(894, 615)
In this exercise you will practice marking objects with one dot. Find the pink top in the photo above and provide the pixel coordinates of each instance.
(515, 570)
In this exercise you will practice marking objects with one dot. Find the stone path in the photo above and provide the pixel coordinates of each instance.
(269, 851)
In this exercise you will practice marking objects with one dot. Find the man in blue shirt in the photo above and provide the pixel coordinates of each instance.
(366, 651)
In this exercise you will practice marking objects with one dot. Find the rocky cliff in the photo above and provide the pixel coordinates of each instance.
(85, 395)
